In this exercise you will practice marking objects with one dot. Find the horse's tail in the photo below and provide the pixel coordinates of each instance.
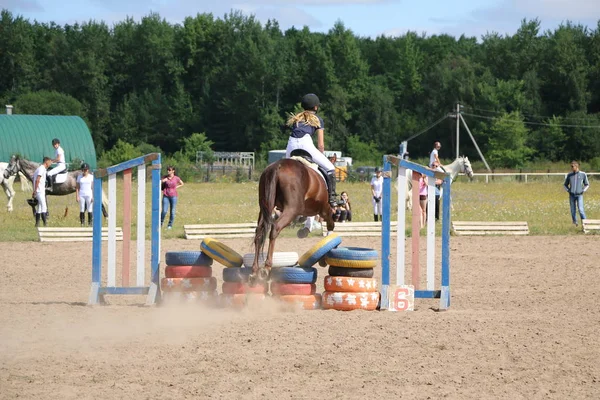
(266, 202)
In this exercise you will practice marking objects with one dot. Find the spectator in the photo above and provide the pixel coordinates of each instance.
(377, 191)
(438, 189)
(423, 199)
(170, 184)
(576, 183)
(39, 191)
(434, 155)
(343, 211)
(84, 194)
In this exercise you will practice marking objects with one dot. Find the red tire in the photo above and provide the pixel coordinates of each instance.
(188, 284)
(243, 288)
(187, 271)
(303, 302)
(349, 284)
(345, 301)
(284, 289)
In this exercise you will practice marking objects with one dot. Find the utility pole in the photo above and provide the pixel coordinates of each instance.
(457, 128)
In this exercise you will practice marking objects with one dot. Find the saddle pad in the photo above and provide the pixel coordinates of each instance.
(310, 165)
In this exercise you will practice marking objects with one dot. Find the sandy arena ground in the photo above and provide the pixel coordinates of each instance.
(524, 324)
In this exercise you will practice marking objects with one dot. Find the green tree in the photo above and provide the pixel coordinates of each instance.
(507, 146)
(48, 103)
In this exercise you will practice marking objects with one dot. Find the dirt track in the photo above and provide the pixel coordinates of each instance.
(524, 323)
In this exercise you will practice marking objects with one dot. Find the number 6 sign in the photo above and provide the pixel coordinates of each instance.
(402, 298)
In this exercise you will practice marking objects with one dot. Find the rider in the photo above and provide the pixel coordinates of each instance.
(303, 126)
(59, 159)
(39, 177)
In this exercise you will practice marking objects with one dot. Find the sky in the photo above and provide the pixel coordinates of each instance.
(364, 17)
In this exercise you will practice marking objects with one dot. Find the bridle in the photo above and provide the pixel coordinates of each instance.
(12, 168)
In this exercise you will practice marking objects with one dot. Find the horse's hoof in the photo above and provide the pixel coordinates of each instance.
(322, 262)
(302, 233)
(263, 274)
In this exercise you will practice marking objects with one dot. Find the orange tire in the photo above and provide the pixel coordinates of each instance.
(284, 289)
(346, 301)
(349, 284)
(240, 300)
(188, 284)
(187, 271)
(303, 302)
(243, 288)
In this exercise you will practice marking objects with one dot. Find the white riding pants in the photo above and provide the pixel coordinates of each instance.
(59, 168)
(41, 208)
(306, 143)
(377, 206)
(85, 202)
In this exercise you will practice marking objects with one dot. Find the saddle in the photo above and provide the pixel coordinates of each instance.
(59, 178)
(305, 158)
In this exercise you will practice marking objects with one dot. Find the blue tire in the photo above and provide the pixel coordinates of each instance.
(312, 256)
(294, 275)
(236, 274)
(196, 258)
(352, 257)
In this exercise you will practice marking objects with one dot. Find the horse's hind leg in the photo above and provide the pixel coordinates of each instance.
(284, 220)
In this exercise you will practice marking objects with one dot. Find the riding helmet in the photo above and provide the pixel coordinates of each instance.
(85, 166)
(310, 101)
(55, 141)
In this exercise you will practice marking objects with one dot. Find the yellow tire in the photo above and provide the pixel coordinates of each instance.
(318, 251)
(338, 262)
(221, 253)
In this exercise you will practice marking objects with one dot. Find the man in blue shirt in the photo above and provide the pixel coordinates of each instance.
(576, 183)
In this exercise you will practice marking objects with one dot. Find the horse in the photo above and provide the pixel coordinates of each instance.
(18, 164)
(460, 165)
(7, 184)
(296, 189)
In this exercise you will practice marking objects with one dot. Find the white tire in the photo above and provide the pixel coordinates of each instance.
(280, 259)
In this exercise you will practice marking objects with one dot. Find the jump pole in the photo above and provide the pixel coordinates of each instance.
(98, 291)
(443, 293)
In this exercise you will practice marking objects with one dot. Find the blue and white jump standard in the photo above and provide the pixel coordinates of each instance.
(152, 291)
(443, 292)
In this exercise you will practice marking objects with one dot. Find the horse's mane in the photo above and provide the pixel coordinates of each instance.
(306, 117)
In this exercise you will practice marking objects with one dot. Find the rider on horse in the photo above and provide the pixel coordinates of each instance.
(303, 126)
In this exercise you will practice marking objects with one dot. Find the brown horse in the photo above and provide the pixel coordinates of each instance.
(297, 190)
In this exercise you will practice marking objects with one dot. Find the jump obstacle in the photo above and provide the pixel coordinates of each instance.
(397, 297)
(152, 291)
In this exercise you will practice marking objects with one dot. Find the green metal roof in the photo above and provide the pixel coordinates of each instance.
(31, 136)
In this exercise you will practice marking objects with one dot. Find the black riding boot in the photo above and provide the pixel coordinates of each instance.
(331, 189)
(375, 217)
(49, 183)
(90, 218)
(37, 219)
(82, 218)
(44, 219)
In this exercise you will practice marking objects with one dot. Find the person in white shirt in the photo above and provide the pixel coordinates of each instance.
(39, 191)
(434, 156)
(84, 194)
(59, 159)
(377, 191)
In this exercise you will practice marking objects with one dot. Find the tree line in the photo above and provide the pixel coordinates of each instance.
(526, 96)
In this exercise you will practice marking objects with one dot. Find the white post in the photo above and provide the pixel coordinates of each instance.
(112, 231)
(141, 226)
(401, 226)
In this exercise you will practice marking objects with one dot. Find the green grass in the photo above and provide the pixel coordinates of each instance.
(543, 204)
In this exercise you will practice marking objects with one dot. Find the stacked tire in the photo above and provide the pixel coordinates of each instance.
(236, 292)
(188, 278)
(296, 285)
(350, 284)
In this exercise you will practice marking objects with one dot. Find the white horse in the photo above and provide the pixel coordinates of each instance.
(460, 165)
(7, 184)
